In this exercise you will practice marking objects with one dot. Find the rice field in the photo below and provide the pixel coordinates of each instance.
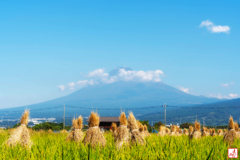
(54, 146)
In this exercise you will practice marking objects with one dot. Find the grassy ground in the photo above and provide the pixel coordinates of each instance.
(53, 146)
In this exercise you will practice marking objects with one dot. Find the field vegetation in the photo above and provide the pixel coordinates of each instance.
(54, 146)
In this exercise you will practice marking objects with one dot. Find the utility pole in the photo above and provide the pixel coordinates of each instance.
(64, 117)
(165, 111)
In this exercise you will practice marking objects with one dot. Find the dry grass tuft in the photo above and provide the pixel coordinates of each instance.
(94, 135)
(173, 130)
(50, 131)
(21, 134)
(136, 137)
(123, 119)
(220, 132)
(213, 133)
(122, 136)
(64, 131)
(185, 131)
(167, 130)
(93, 120)
(162, 131)
(231, 135)
(76, 133)
(196, 133)
(205, 132)
(146, 133)
(114, 128)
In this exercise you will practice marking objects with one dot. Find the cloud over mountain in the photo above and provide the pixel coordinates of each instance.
(118, 74)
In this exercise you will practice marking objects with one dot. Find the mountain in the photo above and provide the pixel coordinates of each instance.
(214, 114)
(118, 95)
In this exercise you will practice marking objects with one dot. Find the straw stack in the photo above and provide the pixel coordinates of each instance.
(136, 137)
(141, 129)
(162, 131)
(178, 131)
(173, 130)
(50, 131)
(94, 135)
(213, 133)
(197, 132)
(167, 130)
(76, 133)
(205, 132)
(21, 134)
(146, 133)
(185, 131)
(64, 131)
(122, 131)
(224, 131)
(190, 131)
(231, 135)
(114, 129)
(236, 127)
(220, 132)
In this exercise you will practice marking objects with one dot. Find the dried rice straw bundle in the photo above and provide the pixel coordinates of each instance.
(136, 137)
(94, 135)
(122, 131)
(178, 131)
(50, 131)
(11, 130)
(205, 132)
(197, 133)
(231, 133)
(220, 132)
(76, 133)
(213, 133)
(236, 127)
(168, 131)
(185, 131)
(190, 131)
(162, 131)
(146, 133)
(141, 129)
(21, 134)
(114, 129)
(173, 130)
(64, 131)
(224, 131)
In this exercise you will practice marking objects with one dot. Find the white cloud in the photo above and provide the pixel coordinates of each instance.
(141, 76)
(100, 76)
(61, 87)
(71, 85)
(206, 23)
(186, 90)
(220, 96)
(233, 95)
(226, 84)
(85, 83)
(123, 75)
(214, 28)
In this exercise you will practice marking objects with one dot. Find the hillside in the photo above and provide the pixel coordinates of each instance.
(118, 95)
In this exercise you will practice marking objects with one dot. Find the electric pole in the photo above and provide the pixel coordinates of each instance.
(165, 111)
(64, 117)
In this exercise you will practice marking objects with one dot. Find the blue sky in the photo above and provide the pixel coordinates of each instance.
(44, 44)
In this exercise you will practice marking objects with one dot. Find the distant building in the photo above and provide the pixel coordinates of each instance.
(106, 122)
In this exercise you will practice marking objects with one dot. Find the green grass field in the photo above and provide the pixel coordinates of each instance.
(53, 146)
